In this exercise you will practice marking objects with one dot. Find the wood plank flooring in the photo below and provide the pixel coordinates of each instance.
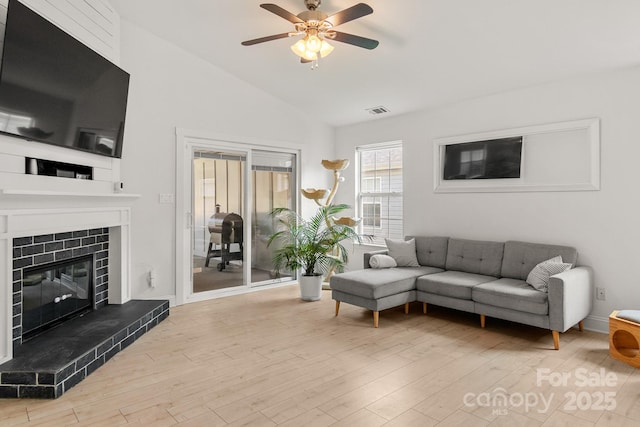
(267, 358)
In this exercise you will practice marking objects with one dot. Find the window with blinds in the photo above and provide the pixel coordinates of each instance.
(380, 191)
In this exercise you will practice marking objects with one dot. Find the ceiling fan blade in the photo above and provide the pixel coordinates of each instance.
(304, 61)
(349, 14)
(265, 39)
(355, 40)
(274, 8)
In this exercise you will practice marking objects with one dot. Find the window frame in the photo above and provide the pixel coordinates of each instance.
(361, 196)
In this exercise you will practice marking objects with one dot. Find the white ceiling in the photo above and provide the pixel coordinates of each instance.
(431, 52)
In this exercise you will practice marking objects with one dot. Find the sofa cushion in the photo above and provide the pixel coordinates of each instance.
(431, 251)
(521, 257)
(371, 283)
(404, 252)
(475, 256)
(513, 294)
(454, 284)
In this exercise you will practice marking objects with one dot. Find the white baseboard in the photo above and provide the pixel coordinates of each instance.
(171, 298)
(597, 324)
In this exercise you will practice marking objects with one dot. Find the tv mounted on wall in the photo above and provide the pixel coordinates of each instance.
(489, 159)
(56, 90)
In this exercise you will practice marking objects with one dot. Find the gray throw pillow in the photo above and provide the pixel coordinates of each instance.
(403, 251)
(539, 275)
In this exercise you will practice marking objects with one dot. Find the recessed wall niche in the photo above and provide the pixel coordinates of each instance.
(555, 157)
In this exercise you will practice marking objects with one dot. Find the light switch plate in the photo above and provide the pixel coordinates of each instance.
(166, 198)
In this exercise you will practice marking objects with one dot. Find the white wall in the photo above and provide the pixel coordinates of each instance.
(171, 88)
(602, 225)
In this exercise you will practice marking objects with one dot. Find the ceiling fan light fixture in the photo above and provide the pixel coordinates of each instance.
(300, 49)
(317, 27)
(310, 47)
(325, 49)
(313, 43)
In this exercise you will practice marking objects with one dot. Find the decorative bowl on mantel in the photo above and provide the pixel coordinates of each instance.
(314, 194)
(336, 165)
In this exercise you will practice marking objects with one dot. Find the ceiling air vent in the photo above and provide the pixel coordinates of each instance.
(377, 110)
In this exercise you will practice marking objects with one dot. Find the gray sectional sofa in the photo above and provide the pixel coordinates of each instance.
(487, 278)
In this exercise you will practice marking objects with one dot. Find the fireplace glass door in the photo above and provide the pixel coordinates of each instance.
(54, 292)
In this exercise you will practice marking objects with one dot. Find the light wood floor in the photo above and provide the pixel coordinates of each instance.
(266, 358)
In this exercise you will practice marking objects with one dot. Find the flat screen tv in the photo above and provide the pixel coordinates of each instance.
(489, 159)
(56, 90)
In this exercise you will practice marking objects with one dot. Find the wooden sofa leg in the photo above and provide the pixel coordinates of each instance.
(337, 307)
(482, 320)
(406, 308)
(556, 339)
(376, 316)
(581, 326)
(424, 307)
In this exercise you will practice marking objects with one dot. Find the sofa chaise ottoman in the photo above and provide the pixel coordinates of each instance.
(482, 277)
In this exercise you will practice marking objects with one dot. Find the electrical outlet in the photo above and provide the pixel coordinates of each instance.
(601, 294)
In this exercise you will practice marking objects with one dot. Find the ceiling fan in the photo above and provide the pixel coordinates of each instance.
(317, 27)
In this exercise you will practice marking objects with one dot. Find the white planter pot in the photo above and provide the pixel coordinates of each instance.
(310, 287)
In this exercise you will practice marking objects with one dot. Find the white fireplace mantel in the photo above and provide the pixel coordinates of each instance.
(31, 222)
(43, 193)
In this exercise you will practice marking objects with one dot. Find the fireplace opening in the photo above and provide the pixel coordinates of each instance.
(55, 292)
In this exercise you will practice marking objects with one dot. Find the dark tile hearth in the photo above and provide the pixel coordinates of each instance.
(51, 363)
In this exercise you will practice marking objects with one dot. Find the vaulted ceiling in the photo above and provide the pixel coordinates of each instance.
(431, 52)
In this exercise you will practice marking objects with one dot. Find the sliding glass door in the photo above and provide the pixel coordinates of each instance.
(273, 177)
(229, 221)
(218, 220)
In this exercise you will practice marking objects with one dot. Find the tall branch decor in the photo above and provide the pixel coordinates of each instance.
(323, 200)
(314, 246)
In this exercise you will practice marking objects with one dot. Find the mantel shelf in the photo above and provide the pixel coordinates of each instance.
(40, 193)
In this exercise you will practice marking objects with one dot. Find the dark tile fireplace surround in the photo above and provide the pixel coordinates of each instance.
(29, 252)
(50, 363)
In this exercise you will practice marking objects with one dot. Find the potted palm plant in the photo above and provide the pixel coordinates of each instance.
(312, 245)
